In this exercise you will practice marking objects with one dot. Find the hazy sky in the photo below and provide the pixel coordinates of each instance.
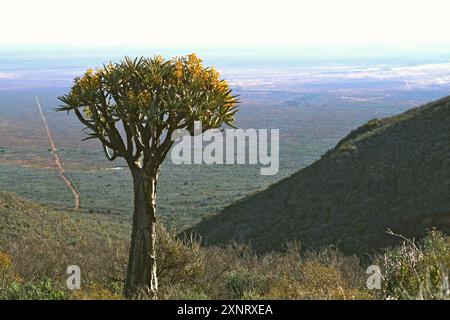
(209, 23)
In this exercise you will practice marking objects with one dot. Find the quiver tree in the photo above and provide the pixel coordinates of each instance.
(134, 108)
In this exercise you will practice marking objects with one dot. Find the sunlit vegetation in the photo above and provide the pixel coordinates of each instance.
(38, 244)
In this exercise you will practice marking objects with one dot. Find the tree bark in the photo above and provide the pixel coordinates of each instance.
(141, 274)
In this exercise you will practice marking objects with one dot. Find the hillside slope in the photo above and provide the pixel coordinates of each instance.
(391, 173)
(41, 242)
(20, 218)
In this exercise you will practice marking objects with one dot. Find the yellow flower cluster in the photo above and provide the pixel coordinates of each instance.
(179, 69)
(110, 67)
(143, 98)
(5, 261)
(7, 272)
(90, 79)
(89, 72)
(135, 84)
(194, 65)
(158, 59)
(214, 79)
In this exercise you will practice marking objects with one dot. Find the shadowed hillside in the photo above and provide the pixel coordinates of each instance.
(391, 173)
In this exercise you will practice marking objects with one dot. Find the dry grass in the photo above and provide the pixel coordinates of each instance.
(186, 271)
(36, 247)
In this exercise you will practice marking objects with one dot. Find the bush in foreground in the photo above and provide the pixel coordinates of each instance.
(417, 270)
(189, 271)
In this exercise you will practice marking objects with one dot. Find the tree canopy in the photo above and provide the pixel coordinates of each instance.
(134, 106)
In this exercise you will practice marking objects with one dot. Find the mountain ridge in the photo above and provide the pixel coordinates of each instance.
(389, 173)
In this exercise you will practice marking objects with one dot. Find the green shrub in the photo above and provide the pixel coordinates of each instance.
(417, 271)
(246, 284)
(42, 290)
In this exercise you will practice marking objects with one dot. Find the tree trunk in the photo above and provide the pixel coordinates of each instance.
(141, 273)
